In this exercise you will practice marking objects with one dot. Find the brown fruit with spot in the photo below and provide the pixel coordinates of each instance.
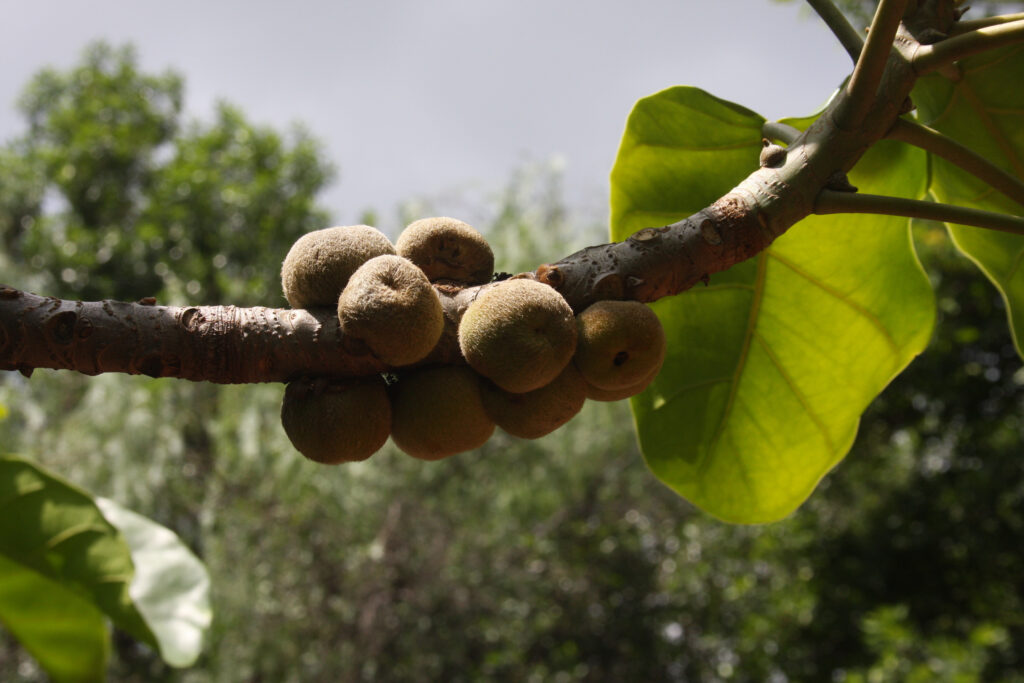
(595, 394)
(447, 249)
(621, 343)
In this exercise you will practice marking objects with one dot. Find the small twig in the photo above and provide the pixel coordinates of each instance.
(867, 75)
(984, 22)
(931, 57)
(776, 130)
(840, 27)
(952, 151)
(830, 201)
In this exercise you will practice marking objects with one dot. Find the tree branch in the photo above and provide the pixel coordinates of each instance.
(220, 344)
(952, 151)
(867, 74)
(840, 27)
(943, 53)
(232, 345)
(830, 202)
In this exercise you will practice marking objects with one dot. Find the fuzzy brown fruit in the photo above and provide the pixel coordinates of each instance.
(518, 333)
(538, 412)
(320, 263)
(447, 249)
(438, 411)
(620, 344)
(595, 394)
(335, 422)
(390, 305)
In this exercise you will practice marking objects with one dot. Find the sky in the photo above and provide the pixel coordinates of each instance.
(436, 99)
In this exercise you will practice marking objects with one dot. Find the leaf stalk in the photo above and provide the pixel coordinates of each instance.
(930, 58)
(955, 153)
(848, 36)
(831, 202)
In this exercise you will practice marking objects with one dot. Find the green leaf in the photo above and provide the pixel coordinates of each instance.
(132, 569)
(770, 365)
(54, 528)
(983, 110)
(171, 587)
(65, 633)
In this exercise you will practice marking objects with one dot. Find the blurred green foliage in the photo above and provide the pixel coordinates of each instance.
(559, 559)
(110, 194)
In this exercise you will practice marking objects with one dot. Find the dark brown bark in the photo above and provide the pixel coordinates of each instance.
(225, 344)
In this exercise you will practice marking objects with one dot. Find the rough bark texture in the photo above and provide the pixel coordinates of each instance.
(225, 344)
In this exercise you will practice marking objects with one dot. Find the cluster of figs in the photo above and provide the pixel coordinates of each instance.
(530, 363)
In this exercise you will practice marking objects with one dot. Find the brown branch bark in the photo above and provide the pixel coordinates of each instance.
(225, 344)
(221, 344)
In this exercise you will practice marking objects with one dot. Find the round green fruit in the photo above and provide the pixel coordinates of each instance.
(332, 422)
(319, 264)
(518, 333)
(538, 412)
(447, 249)
(392, 307)
(620, 344)
(438, 411)
(595, 394)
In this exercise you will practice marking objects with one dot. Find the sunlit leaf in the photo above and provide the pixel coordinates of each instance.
(56, 530)
(984, 110)
(132, 569)
(772, 363)
(66, 634)
(170, 588)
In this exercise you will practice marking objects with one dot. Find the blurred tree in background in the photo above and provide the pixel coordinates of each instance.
(557, 559)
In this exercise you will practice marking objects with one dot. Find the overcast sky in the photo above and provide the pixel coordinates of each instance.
(423, 99)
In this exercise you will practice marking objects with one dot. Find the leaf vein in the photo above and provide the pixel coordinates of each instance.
(36, 487)
(864, 312)
(991, 127)
(72, 531)
(679, 391)
(988, 65)
(755, 309)
(804, 403)
(1015, 266)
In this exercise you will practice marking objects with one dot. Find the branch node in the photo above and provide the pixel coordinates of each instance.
(709, 231)
(840, 183)
(550, 275)
(633, 282)
(647, 234)
(772, 155)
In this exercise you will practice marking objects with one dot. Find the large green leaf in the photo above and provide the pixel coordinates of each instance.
(171, 587)
(55, 529)
(984, 110)
(132, 569)
(770, 365)
(65, 633)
